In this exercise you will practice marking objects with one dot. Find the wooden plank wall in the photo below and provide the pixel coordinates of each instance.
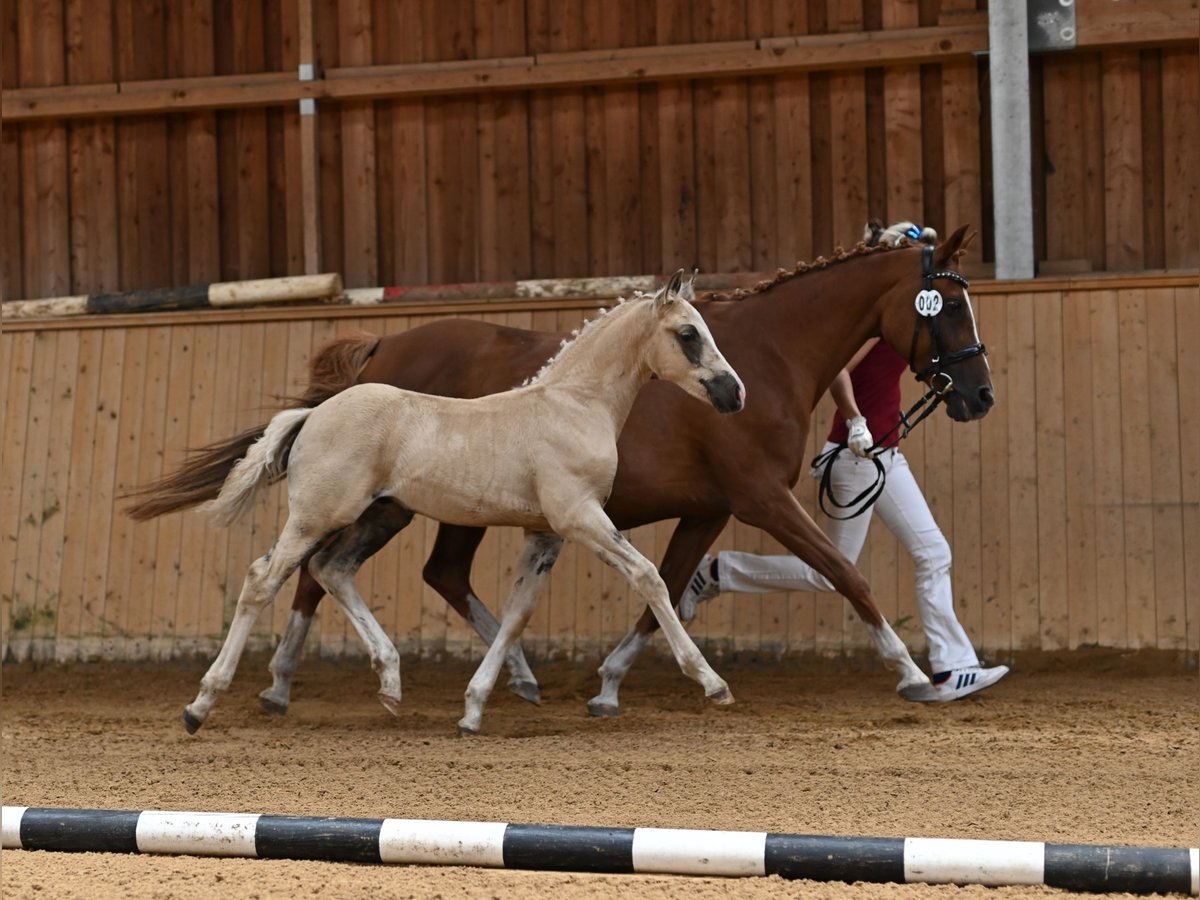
(1073, 509)
(729, 173)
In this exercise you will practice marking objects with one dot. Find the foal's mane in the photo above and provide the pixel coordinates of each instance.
(587, 325)
(840, 255)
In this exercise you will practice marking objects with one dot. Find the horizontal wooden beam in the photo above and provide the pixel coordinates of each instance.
(462, 307)
(548, 71)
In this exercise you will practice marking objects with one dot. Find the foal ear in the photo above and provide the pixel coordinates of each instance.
(670, 292)
(954, 244)
(688, 291)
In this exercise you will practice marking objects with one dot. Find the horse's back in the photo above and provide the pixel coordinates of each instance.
(460, 358)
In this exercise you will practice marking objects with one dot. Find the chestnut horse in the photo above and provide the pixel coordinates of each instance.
(541, 457)
(787, 338)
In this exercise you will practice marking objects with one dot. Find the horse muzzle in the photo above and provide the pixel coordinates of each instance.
(725, 392)
(967, 406)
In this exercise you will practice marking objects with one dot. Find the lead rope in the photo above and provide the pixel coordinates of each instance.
(867, 498)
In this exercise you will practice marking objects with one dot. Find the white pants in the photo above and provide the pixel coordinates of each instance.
(903, 509)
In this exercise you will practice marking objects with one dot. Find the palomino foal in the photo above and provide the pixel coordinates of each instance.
(542, 457)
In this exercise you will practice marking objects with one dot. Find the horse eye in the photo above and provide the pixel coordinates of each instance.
(953, 305)
(688, 333)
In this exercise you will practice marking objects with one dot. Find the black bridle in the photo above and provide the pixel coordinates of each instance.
(933, 375)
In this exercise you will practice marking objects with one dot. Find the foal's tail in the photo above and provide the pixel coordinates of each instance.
(335, 367)
(265, 463)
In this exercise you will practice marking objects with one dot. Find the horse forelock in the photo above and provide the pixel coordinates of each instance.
(840, 255)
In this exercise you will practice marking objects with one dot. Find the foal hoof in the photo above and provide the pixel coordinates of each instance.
(270, 705)
(190, 722)
(467, 730)
(723, 697)
(603, 710)
(390, 703)
(918, 692)
(527, 690)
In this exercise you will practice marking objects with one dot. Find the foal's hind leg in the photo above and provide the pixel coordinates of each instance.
(282, 667)
(592, 528)
(533, 568)
(448, 571)
(688, 543)
(263, 580)
(334, 567)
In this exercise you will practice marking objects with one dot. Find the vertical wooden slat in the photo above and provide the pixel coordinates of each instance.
(1187, 318)
(1122, 103)
(504, 189)
(848, 135)
(193, 526)
(150, 614)
(1166, 486)
(902, 124)
(18, 352)
(78, 511)
(357, 121)
(1136, 488)
(1078, 402)
(1022, 476)
(995, 634)
(1053, 458)
(1181, 161)
(1107, 484)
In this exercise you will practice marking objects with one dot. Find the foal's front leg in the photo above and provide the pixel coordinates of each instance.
(592, 528)
(533, 568)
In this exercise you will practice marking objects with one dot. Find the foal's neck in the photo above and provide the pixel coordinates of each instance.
(606, 363)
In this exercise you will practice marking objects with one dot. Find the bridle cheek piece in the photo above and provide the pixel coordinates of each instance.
(940, 382)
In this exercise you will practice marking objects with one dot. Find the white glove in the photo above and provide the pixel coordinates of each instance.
(860, 440)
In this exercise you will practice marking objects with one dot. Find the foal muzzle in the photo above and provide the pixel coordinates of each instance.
(725, 392)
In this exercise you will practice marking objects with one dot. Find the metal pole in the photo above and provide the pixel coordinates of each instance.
(1012, 180)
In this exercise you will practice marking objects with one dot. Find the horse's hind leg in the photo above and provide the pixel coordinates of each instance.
(276, 698)
(688, 543)
(533, 568)
(448, 571)
(263, 580)
(334, 567)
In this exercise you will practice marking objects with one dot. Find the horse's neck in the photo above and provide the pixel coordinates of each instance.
(605, 365)
(818, 323)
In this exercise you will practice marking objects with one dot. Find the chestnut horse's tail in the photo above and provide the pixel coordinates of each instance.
(335, 368)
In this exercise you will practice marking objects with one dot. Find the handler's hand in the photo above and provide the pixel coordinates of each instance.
(860, 440)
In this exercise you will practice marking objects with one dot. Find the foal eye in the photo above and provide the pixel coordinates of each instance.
(688, 333)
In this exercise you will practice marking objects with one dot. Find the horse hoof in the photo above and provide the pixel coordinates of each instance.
(390, 703)
(190, 722)
(723, 697)
(527, 690)
(918, 692)
(272, 706)
(466, 730)
(603, 710)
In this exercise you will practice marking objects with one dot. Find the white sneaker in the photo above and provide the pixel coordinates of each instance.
(701, 587)
(959, 683)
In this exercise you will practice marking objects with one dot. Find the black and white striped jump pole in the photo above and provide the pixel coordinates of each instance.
(1077, 867)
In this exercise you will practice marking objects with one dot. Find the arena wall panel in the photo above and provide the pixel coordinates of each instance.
(1073, 508)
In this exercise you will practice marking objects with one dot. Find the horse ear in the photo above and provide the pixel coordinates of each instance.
(688, 291)
(872, 232)
(670, 292)
(953, 245)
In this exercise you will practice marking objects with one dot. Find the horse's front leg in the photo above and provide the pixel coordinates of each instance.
(263, 580)
(688, 543)
(533, 568)
(592, 528)
(448, 571)
(781, 515)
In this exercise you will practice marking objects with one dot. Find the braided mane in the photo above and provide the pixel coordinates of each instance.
(840, 255)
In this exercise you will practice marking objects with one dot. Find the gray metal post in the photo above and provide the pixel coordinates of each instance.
(1012, 180)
